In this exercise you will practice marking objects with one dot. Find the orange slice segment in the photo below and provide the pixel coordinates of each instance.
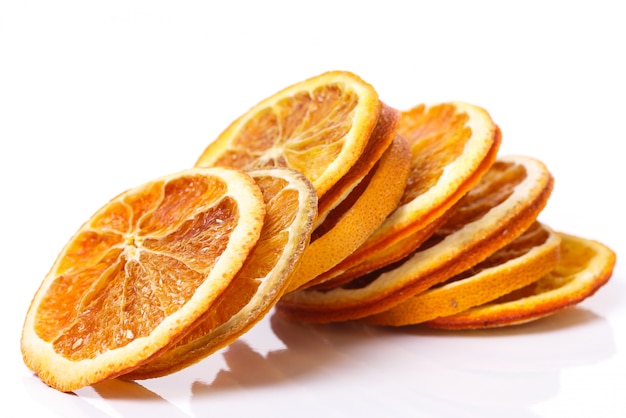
(319, 126)
(499, 208)
(367, 207)
(452, 146)
(584, 267)
(138, 273)
(521, 262)
(384, 133)
(384, 256)
(291, 208)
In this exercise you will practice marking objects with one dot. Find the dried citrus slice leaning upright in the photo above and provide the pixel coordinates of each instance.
(452, 146)
(138, 273)
(367, 206)
(334, 129)
(319, 126)
(343, 191)
(504, 203)
(584, 267)
(291, 204)
(521, 262)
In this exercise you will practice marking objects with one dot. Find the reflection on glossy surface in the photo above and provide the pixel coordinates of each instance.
(350, 369)
(411, 369)
(60, 404)
(130, 399)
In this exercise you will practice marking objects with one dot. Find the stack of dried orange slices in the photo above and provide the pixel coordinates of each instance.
(326, 203)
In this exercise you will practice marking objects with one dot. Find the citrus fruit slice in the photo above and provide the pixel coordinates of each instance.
(138, 273)
(384, 256)
(384, 133)
(367, 206)
(504, 203)
(452, 146)
(291, 204)
(584, 266)
(521, 262)
(319, 126)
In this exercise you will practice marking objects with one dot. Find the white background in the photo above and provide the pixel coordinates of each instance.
(97, 97)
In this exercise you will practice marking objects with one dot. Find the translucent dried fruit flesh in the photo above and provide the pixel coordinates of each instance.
(437, 136)
(136, 263)
(319, 126)
(139, 272)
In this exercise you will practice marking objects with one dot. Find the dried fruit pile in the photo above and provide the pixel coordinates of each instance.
(327, 204)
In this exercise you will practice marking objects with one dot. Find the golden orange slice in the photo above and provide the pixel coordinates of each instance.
(521, 262)
(138, 273)
(452, 146)
(319, 126)
(384, 133)
(368, 205)
(584, 267)
(504, 203)
(291, 208)
(384, 256)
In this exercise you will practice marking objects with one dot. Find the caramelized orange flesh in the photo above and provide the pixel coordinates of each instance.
(523, 261)
(291, 203)
(282, 208)
(584, 267)
(575, 260)
(495, 187)
(533, 237)
(452, 145)
(304, 132)
(138, 261)
(437, 136)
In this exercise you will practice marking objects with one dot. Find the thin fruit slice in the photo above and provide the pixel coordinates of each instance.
(291, 209)
(585, 266)
(367, 207)
(523, 261)
(138, 273)
(452, 146)
(384, 256)
(319, 126)
(384, 133)
(499, 208)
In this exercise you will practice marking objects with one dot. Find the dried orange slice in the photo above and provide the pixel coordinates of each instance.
(384, 256)
(319, 126)
(504, 203)
(368, 205)
(138, 273)
(521, 262)
(291, 208)
(452, 146)
(585, 266)
(384, 133)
